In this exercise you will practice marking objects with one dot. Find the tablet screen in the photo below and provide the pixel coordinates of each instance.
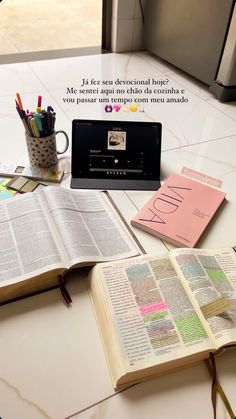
(116, 150)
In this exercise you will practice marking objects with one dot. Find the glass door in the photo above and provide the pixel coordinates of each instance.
(49, 28)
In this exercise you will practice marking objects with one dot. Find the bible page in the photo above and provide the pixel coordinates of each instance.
(87, 226)
(211, 278)
(27, 245)
(148, 312)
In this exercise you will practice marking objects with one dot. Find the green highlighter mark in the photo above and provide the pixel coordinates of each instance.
(155, 316)
(190, 328)
(216, 274)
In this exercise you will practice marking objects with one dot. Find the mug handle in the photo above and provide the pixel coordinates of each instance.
(67, 142)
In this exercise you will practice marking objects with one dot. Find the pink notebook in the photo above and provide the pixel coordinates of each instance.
(179, 211)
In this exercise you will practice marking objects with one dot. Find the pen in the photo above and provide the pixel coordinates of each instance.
(38, 121)
(53, 120)
(19, 101)
(34, 128)
(29, 126)
(45, 125)
(51, 117)
(39, 101)
(37, 124)
(49, 120)
(23, 119)
(38, 108)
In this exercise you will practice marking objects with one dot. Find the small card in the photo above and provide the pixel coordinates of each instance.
(23, 184)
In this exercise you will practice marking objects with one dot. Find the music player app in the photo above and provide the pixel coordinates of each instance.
(117, 149)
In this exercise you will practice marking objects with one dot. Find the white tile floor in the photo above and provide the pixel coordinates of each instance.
(54, 364)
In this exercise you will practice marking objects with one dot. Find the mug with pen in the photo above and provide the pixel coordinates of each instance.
(40, 134)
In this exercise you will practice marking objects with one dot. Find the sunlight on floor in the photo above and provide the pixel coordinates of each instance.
(29, 25)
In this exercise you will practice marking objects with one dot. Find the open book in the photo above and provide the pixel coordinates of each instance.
(45, 234)
(160, 313)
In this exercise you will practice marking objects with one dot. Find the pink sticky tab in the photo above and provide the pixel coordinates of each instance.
(202, 177)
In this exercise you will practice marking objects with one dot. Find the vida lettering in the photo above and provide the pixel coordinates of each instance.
(166, 204)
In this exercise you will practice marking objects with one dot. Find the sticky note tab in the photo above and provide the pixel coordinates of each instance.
(215, 307)
(202, 177)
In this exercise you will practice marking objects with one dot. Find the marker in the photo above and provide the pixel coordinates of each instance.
(44, 125)
(39, 101)
(29, 125)
(37, 124)
(49, 121)
(23, 119)
(37, 117)
(34, 128)
(19, 101)
(38, 108)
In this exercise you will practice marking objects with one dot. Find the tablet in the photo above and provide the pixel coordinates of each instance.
(116, 154)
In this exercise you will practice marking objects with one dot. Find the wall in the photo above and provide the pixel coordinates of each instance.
(127, 25)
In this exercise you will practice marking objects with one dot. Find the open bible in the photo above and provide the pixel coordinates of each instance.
(45, 234)
(160, 313)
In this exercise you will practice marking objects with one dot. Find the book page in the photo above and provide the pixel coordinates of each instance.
(87, 226)
(27, 245)
(149, 319)
(211, 278)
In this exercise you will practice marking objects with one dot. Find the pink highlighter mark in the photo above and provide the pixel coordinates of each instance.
(153, 308)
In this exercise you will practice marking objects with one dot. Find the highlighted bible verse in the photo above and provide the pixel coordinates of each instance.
(125, 93)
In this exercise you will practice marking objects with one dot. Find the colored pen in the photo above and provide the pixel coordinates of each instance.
(23, 119)
(38, 120)
(34, 128)
(19, 101)
(39, 101)
(44, 124)
(29, 126)
(53, 121)
(37, 124)
(49, 119)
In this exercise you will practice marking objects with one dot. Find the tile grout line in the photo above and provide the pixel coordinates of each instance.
(47, 90)
(224, 113)
(154, 64)
(100, 401)
(199, 143)
(205, 99)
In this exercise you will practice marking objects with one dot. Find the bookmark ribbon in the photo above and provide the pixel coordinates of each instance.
(65, 294)
(216, 388)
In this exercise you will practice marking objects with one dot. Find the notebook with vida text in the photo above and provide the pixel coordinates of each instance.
(116, 154)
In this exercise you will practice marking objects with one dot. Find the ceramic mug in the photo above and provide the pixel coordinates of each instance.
(43, 151)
